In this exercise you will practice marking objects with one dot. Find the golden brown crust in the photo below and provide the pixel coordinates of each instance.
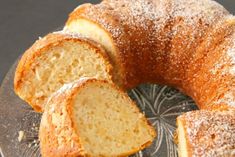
(186, 44)
(209, 133)
(174, 49)
(57, 137)
(104, 17)
(204, 82)
(43, 44)
(190, 27)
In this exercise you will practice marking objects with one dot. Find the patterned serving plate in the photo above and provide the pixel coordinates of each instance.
(160, 104)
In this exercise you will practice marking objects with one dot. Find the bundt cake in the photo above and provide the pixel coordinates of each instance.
(206, 133)
(187, 44)
(92, 118)
(54, 60)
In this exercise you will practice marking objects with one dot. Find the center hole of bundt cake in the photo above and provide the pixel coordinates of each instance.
(161, 101)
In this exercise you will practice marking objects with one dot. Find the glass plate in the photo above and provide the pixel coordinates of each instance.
(160, 104)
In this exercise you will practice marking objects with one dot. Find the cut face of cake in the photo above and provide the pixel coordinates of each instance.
(93, 23)
(93, 118)
(57, 59)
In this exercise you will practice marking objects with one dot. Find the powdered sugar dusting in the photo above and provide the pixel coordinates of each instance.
(207, 10)
(66, 88)
(68, 33)
(156, 32)
(231, 54)
(142, 15)
(71, 85)
(137, 13)
(160, 22)
(210, 133)
(228, 99)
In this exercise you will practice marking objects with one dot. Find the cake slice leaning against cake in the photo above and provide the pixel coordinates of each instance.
(206, 134)
(92, 118)
(54, 60)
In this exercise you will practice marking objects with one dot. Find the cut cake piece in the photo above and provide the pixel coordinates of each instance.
(206, 133)
(93, 118)
(54, 60)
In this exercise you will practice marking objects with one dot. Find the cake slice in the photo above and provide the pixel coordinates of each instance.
(92, 118)
(54, 60)
(99, 23)
(206, 134)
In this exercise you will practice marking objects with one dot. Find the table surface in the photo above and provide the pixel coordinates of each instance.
(22, 22)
